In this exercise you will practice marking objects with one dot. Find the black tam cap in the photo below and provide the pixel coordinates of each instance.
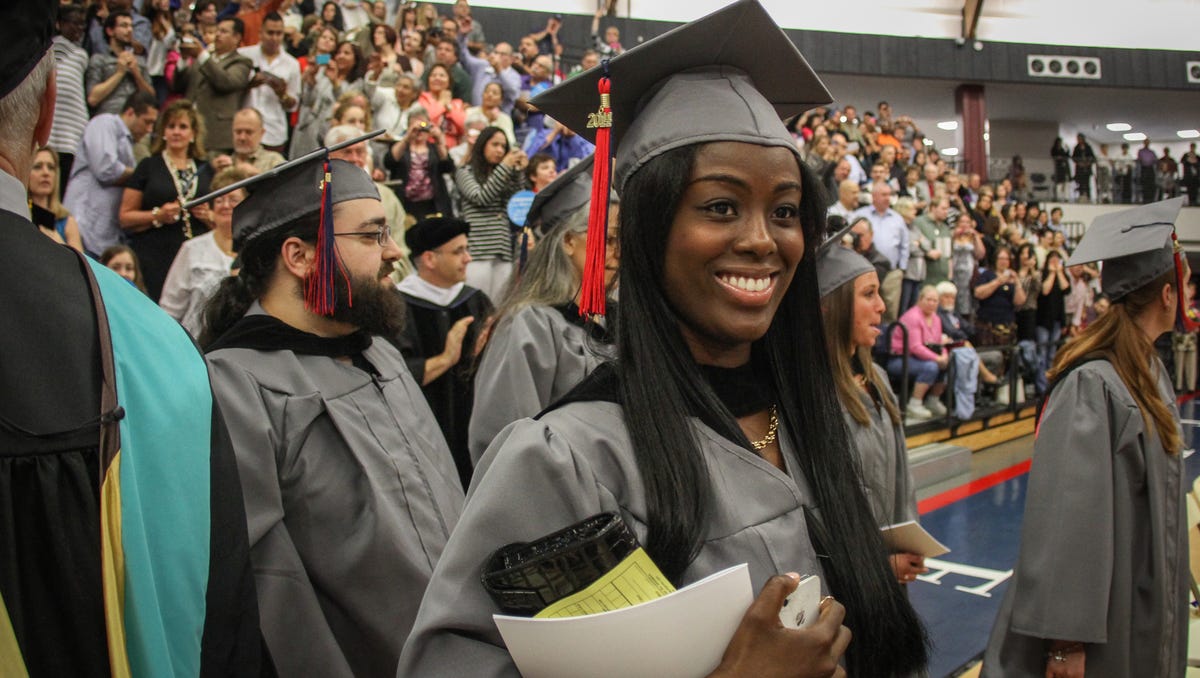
(434, 231)
(26, 29)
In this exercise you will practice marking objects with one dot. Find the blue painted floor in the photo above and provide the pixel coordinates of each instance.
(959, 598)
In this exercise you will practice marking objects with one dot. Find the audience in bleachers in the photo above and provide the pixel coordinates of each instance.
(269, 79)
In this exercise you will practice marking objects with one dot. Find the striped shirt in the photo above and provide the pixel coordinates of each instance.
(485, 207)
(70, 108)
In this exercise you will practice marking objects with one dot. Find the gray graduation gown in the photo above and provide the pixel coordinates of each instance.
(883, 461)
(576, 461)
(350, 497)
(1103, 555)
(532, 359)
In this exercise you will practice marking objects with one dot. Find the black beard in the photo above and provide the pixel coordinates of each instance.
(376, 309)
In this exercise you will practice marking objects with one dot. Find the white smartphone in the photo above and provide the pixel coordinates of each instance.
(801, 608)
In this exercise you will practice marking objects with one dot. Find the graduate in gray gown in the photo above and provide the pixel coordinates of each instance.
(852, 313)
(712, 434)
(1101, 583)
(350, 490)
(540, 347)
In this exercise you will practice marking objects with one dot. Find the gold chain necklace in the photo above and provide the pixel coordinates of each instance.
(772, 430)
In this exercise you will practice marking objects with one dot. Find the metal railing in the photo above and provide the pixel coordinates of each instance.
(1012, 370)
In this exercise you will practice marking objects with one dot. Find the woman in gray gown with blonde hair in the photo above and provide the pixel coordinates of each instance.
(540, 347)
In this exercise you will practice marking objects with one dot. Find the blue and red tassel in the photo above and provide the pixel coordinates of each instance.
(319, 293)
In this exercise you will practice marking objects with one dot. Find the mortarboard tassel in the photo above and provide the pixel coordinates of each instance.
(591, 300)
(319, 296)
(1188, 324)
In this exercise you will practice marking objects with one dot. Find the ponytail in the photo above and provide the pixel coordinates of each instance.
(227, 305)
(237, 293)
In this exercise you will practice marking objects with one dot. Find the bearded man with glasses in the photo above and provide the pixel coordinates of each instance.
(349, 487)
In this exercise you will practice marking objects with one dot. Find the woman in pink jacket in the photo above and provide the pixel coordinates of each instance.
(927, 356)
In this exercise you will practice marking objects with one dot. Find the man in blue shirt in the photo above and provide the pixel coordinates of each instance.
(891, 233)
(103, 162)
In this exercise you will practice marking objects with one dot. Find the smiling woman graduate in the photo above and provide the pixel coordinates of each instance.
(714, 434)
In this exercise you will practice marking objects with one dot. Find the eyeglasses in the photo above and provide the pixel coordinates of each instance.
(382, 236)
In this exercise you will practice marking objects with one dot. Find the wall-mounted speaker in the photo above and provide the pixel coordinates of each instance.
(1055, 66)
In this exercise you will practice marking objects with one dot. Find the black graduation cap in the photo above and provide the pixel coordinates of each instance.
(433, 232)
(838, 264)
(296, 192)
(1136, 245)
(730, 76)
(310, 184)
(26, 29)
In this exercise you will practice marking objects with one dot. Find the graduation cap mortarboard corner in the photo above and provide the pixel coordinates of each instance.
(434, 231)
(729, 76)
(26, 30)
(570, 191)
(838, 264)
(281, 196)
(1136, 245)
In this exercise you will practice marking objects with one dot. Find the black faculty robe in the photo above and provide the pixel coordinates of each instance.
(450, 395)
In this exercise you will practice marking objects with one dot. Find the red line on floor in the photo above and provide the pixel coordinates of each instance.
(976, 486)
(1186, 397)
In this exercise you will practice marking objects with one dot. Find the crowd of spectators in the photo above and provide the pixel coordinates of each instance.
(972, 270)
(1126, 177)
(156, 97)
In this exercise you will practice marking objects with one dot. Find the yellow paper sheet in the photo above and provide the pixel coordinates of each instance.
(634, 580)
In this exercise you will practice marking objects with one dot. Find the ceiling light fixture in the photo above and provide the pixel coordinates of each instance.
(950, 151)
(1134, 136)
(948, 125)
(1118, 127)
(1188, 133)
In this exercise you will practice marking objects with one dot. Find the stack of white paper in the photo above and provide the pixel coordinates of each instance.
(681, 634)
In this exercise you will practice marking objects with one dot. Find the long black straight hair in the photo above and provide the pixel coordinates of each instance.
(477, 161)
(662, 386)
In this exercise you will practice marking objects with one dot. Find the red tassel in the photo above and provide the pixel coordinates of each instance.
(319, 295)
(1185, 320)
(592, 299)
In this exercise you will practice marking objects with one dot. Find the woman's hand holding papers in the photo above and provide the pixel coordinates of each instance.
(763, 647)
